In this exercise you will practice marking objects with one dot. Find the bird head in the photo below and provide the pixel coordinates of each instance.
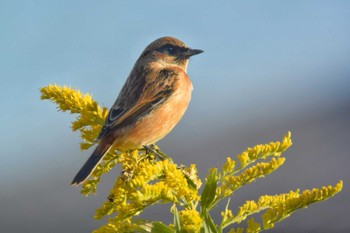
(170, 51)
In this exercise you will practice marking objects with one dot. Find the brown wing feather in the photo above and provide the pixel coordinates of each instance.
(140, 94)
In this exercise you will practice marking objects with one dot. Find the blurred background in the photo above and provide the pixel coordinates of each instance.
(268, 67)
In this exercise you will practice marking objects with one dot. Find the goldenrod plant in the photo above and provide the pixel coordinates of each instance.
(146, 180)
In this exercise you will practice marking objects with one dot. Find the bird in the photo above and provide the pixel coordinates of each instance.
(152, 101)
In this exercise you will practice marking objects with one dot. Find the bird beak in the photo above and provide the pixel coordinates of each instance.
(191, 52)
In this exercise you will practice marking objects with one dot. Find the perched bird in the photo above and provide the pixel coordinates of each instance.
(152, 101)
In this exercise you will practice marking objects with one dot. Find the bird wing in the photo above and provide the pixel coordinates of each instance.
(139, 96)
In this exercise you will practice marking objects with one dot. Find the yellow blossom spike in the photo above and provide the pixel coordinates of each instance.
(283, 207)
(149, 182)
(190, 221)
(69, 99)
(117, 226)
(91, 115)
(232, 183)
(279, 206)
(264, 151)
(253, 227)
(251, 155)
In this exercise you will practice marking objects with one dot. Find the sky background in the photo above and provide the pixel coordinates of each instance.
(268, 67)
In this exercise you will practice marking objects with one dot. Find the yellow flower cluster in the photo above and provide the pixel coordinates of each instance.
(145, 182)
(190, 221)
(284, 205)
(278, 207)
(89, 123)
(253, 227)
(191, 175)
(91, 115)
(231, 182)
(257, 152)
(115, 225)
(68, 99)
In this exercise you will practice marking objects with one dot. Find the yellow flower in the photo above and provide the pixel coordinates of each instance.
(232, 183)
(253, 227)
(264, 151)
(147, 182)
(191, 173)
(278, 207)
(91, 115)
(116, 226)
(190, 221)
(175, 179)
(284, 204)
(238, 230)
(229, 166)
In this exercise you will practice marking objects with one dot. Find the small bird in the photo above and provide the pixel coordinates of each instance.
(152, 101)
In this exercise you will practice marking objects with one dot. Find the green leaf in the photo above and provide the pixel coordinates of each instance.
(152, 227)
(221, 226)
(190, 182)
(208, 225)
(159, 227)
(209, 191)
(177, 223)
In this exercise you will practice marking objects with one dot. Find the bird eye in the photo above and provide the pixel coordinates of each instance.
(171, 50)
(168, 49)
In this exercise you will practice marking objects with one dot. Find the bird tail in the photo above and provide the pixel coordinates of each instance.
(91, 163)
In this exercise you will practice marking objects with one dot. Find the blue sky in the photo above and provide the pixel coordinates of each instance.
(264, 61)
(250, 47)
